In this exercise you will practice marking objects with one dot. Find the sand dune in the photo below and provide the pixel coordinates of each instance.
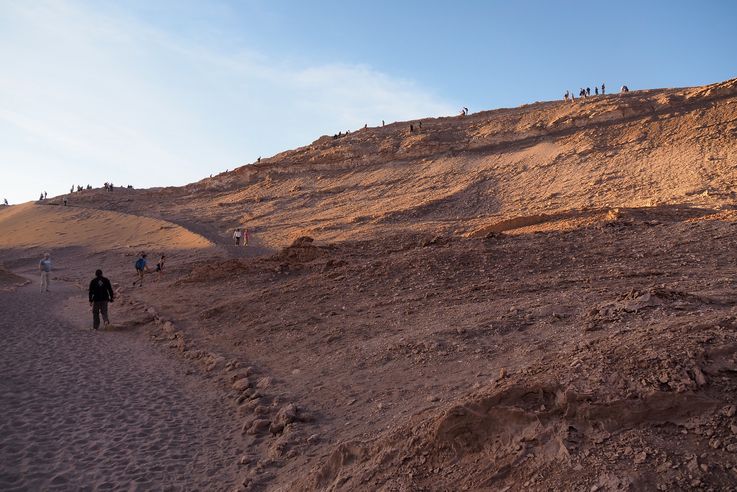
(533, 298)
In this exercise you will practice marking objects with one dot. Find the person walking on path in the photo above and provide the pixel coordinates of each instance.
(603, 89)
(160, 267)
(245, 237)
(141, 268)
(237, 235)
(44, 267)
(65, 201)
(101, 292)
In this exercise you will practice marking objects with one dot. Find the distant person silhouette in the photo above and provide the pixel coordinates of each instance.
(588, 91)
(603, 89)
(44, 266)
(382, 122)
(5, 200)
(411, 128)
(596, 91)
(141, 268)
(237, 235)
(100, 293)
(65, 201)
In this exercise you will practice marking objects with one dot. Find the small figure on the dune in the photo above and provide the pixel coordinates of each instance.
(566, 96)
(71, 190)
(141, 269)
(420, 125)
(5, 201)
(596, 90)
(382, 122)
(100, 293)
(245, 236)
(45, 195)
(111, 187)
(365, 126)
(237, 235)
(65, 201)
(79, 187)
(603, 89)
(411, 128)
(44, 266)
(588, 91)
(259, 159)
(625, 89)
(465, 111)
(89, 187)
(41, 197)
(160, 267)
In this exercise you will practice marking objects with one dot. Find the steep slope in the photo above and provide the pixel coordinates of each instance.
(642, 148)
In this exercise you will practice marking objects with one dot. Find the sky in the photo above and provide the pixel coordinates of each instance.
(163, 93)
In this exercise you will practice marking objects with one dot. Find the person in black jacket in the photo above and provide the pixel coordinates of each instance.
(101, 292)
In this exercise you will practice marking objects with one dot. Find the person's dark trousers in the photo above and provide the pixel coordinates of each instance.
(99, 307)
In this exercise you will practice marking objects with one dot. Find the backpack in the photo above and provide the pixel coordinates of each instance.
(140, 264)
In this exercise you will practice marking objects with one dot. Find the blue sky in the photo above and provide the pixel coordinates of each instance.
(157, 93)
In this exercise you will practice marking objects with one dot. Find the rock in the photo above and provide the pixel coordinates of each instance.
(640, 458)
(729, 411)
(699, 376)
(241, 384)
(258, 426)
(502, 373)
(733, 428)
(432, 398)
(285, 416)
(313, 439)
(215, 362)
(151, 311)
(244, 460)
(263, 383)
(715, 443)
(168, 327)
(732, 448)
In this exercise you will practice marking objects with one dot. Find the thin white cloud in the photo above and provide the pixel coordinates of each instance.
(104, 96)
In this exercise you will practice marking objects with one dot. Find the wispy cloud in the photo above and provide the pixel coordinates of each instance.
(103, 95)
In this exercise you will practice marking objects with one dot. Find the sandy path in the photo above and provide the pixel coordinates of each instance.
(101, 410)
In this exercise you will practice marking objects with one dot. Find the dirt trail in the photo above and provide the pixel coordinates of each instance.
(101, 410)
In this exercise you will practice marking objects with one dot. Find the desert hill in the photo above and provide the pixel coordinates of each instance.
(535, 298)
(456, 174)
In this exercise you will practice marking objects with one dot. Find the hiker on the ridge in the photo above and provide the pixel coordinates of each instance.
(45, 195)
(588, 91)
(237, 235)
(566, 96)
(65, 201)
(245, 236)
(100, 293)
(5, 200)
(44, 266)
(625, 88)
(596, 90)
(141, 268)
(603, 89)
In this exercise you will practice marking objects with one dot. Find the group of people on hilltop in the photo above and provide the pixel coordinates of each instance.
(586, 92)
(79, 188)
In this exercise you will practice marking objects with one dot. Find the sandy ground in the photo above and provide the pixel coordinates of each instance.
(85, 410)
